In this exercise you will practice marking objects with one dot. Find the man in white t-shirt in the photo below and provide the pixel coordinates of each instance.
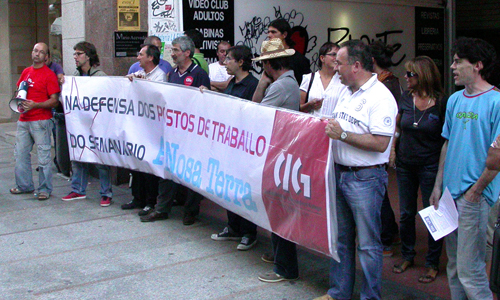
(361, 128)
(219, 79)
(149, 60)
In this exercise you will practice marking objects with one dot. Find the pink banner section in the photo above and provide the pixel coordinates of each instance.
(293, 184)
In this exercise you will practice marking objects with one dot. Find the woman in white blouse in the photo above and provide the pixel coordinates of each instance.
(320, 96)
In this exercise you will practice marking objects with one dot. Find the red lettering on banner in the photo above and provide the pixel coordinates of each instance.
(222, 128)
(234, 135)
(293, 184)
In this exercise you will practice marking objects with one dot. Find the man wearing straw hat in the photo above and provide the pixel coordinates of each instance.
(278, 87)
(34, 125)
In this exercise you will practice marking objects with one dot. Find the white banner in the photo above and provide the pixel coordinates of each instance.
(267, 165)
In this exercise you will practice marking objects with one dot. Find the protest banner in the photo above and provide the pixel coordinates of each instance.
(269, 165)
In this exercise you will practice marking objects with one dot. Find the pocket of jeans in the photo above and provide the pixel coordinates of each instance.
(368, 174)
(471, 203)
(41, 125)
(44, 156)
(431, 168)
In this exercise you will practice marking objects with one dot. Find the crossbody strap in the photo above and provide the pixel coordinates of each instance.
(309, 88)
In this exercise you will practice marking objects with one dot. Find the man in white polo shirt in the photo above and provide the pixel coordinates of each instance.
(362, 127)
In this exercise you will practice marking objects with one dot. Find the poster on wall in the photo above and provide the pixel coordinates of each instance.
(429, 35)
(128, 15)
(164, 21)
(128, 43)
(164, 16)
(214, 19)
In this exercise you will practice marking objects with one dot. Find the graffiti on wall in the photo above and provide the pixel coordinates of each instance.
(342, 34)
(163, 15)
(255, 31)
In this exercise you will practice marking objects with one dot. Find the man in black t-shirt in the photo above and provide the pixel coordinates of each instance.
(189, 74)
(280, 29)
(238, 63)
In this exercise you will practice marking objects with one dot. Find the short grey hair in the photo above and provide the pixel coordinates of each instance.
(185, 43)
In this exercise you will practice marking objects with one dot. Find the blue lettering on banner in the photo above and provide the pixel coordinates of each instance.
(186, 168)
(229, 188)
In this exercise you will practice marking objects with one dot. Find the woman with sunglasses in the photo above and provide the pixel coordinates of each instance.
(319, 90)
(418, 130)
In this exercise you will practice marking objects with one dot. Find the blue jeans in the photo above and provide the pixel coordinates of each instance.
(80, 179)
(410, 178)
(29, 133)
(359, 201)
(466, 249)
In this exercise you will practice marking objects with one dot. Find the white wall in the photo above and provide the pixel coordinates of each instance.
(362, 19)
(368, 20)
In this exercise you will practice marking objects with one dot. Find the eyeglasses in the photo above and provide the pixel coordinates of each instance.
(333, 54)
(76, 54)
(410, 74)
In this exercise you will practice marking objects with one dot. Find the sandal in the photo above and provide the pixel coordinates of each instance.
(400, 268)
(17, 191)
(43, 196)
(430, 276)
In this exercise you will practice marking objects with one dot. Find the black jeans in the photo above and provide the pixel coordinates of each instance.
(61, 145)
(389, 226)
(285, 257)
(410, 178)
(166, 192)
(145, 188)
(241, 225)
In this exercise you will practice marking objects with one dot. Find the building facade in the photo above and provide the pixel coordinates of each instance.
(63, 23)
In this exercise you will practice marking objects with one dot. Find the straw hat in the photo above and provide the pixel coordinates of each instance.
(273, 48)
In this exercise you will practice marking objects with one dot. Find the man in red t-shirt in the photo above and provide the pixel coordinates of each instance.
(34, 125)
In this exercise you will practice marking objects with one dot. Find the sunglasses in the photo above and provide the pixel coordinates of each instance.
(410, 74)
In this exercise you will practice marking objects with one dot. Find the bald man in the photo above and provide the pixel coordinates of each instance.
(34, 125)
(163, 65)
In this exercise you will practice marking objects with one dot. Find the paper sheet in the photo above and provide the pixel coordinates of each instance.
(442, 221)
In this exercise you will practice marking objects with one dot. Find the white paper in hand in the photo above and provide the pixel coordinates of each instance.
(442, 221)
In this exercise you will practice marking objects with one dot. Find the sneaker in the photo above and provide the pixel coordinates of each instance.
(154, 216)
(188, 219)
(268, 258)
(73, 196)
(131, 205)
(146, 210)
(226, 235)
(105, 201)
(272, 277)
(388, 251)
(247, 242)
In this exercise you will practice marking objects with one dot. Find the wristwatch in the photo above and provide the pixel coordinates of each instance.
(343, 135)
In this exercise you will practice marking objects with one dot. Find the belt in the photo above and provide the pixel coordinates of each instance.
(355, 169)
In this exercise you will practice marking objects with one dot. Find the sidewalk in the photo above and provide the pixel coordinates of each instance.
(79, 250)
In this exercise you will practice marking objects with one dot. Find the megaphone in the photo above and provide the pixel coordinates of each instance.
(16, 104)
